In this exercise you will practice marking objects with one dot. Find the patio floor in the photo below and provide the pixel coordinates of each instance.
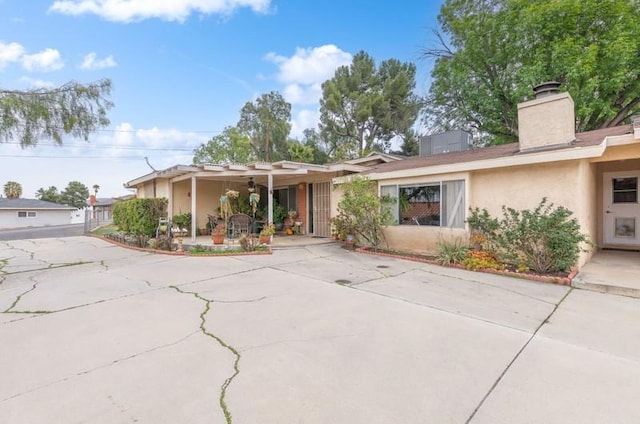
(280, 241)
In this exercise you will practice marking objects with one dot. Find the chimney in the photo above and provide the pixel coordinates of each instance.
(636, 125)
(548, 120)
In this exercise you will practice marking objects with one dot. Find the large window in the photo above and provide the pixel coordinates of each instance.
(438, 204)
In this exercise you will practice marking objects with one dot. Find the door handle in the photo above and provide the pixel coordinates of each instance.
(608, 211)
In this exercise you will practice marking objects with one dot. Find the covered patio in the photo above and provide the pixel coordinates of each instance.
(292, 186)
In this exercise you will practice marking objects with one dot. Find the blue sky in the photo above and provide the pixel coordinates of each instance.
(182, 70)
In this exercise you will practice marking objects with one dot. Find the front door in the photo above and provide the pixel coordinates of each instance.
(621, 209)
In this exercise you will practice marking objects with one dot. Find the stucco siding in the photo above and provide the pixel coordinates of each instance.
(587, 212)
(420, 239)
(523, 187)
(571, 184)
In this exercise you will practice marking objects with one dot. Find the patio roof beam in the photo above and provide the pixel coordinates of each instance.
(250, 173)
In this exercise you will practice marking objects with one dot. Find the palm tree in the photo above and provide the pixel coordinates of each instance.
(96, 187)
(12, 190)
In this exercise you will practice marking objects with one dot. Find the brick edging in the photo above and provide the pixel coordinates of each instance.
(563, 281)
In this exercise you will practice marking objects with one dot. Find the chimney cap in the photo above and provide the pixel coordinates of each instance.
(546, 88)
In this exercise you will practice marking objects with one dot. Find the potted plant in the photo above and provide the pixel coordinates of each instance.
(291, 216)
(182, 221)
(279, 214)
(218, 233)
(266, 233)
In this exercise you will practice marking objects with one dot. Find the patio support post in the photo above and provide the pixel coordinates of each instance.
(270, 198)
(194, 221)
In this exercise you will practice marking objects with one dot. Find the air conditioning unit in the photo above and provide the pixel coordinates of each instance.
(449, 141)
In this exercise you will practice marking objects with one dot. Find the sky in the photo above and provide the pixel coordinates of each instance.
(182, 70)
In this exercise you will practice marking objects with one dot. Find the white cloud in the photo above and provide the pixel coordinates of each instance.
(168, 10)
(9, 53)
(305, 71)
(300, 94)
(302, 120)
(46, 60)
(90, 62)
(37, 83)
(312, 65)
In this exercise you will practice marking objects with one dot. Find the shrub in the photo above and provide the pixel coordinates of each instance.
(361, 213)
(451, 252)
(249, 243)
(545, 239)
(139, 216)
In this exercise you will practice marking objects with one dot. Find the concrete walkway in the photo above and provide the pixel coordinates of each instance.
(611, 271)
(95, 333)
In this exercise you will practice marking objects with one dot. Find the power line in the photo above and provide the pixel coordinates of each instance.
(72, 157)
(106, 146)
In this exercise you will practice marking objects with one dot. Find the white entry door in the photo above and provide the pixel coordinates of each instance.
(621, 208)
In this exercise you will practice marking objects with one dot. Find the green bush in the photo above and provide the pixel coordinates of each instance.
(545, 239)
(361, 213)
(452, 252)
(139, 216)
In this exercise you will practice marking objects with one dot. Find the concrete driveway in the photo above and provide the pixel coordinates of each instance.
(95, 333)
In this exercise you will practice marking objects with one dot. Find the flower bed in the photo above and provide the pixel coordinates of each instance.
(198, 251)
(556, 278)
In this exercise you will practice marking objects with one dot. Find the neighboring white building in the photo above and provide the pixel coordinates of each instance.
(18, 213)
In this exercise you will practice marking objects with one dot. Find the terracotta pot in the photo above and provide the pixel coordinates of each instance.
(265, 239)
(217, 238)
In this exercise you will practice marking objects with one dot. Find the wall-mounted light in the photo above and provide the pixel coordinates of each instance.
(251, 186)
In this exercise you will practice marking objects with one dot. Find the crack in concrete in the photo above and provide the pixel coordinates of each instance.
(234, 351)
(99, 367)
(38, 313)
(50, 266)
(19, 297)
(515, 358)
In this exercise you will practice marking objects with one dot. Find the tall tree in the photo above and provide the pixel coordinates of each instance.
(363, 107)
(73, 108)
(299, 152)
(12, 190)
(266, 122)
(50, 195)
(230, 146)
(76, 194)
(96, 187)
(312, 139)
(497, 50)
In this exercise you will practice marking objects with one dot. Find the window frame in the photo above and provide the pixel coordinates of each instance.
(27, 214)
(393, 190)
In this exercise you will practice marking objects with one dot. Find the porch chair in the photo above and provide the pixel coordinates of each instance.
(240, 223)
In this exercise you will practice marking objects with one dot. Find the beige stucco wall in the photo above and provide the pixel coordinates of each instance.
(571, 184)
